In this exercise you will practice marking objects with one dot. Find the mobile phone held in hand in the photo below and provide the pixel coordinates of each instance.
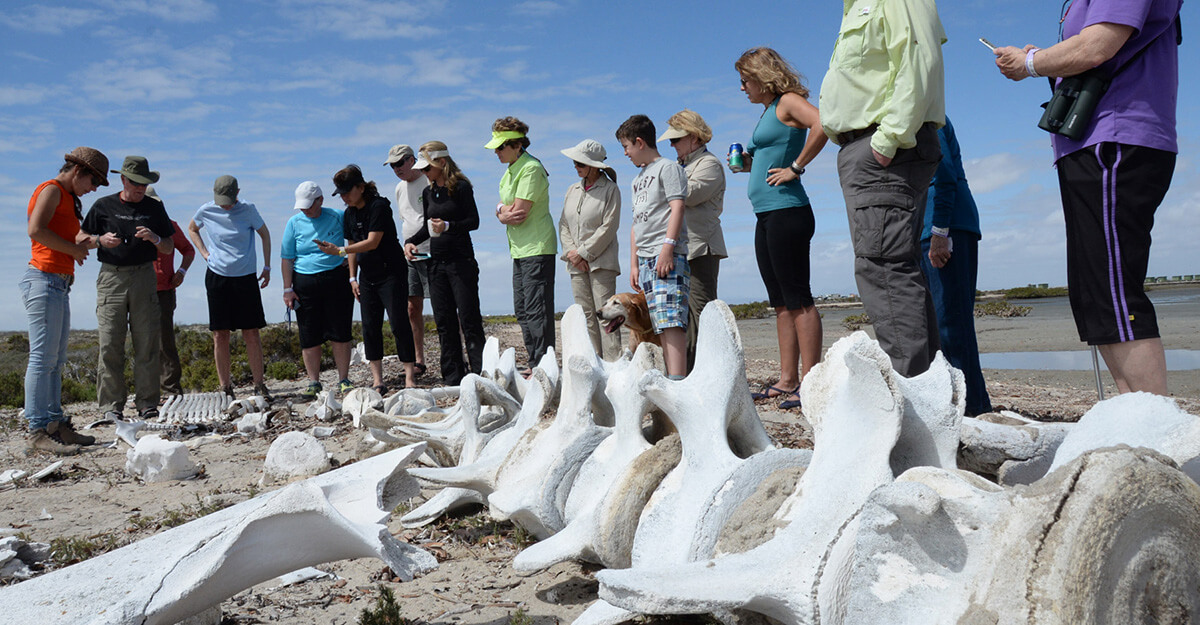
(987, 43)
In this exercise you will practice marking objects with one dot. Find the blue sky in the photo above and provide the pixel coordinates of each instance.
(280, 91)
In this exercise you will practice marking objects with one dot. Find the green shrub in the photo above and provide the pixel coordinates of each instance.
(854, 323)
(12, 389)
(283, 370)
(752, 310)
(385, 611)
(1001, 308)
(1034, 292)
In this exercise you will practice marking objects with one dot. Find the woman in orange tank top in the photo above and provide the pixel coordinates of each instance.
(56, 246)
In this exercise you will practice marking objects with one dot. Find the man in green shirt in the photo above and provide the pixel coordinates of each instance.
(882, 101)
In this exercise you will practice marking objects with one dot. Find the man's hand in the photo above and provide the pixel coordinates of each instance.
(666, 262)
(939, 251)
(883, 161)
(146, 235)
(264, 278)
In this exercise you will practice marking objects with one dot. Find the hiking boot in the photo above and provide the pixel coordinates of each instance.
(43, 439)
(311, 391)
(344, 387)
(261, 389)
(67, 434)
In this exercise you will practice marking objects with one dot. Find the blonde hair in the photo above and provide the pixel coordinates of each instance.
(767, 68)
(449, 167)
(690, 122)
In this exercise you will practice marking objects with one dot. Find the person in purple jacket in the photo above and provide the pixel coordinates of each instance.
(1114, 177)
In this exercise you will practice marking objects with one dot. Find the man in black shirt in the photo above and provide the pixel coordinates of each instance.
(130, 231)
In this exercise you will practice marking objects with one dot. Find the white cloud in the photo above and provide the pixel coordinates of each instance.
(185, 11)
(994, 172)
(49, 19)
(537, 8)
(24, 96)
(364, 19)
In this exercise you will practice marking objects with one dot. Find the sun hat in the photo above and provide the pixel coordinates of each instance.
(137, 169)
(590, 153)
(501, 136)
(425, 159)
(150, 192)
(306, 194)
(225, 190)
(92, 160)
(398, 153)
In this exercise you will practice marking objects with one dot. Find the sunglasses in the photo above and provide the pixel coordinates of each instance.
(676, 140)
(579, 165)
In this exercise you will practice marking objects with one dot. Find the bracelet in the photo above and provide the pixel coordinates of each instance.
(159, 240)
(289, 291)
(342, 251)
(354, 279)
(798, 170)
(940, 232)
(669, 241)
(1029, 63)
(266, 267)
(498, 207)
(182, 270)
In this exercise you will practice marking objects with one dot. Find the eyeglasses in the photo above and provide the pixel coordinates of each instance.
(676, 140)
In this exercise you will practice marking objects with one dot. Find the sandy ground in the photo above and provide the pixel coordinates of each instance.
(93, 499)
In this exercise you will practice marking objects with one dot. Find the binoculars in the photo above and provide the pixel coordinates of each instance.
(1070, 109)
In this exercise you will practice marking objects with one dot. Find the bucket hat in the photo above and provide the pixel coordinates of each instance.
(92, 160)
(137, 169)
(225, 190)
(590, 153)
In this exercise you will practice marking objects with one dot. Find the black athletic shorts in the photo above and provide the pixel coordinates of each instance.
(782, 239)
(1109, 194)
(326, 310)
(233, 303)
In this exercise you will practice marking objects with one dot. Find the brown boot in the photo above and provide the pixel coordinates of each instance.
(44, 440)
(67, 433)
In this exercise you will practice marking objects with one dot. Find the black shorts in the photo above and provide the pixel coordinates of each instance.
(782, 239)
(1110, 192)
(326, 309)
(233, 303)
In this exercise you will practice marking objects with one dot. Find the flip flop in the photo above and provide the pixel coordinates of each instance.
(765, 393)
(420, 368)
(789, 404)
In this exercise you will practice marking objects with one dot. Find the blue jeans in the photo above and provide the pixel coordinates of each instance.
(953, 290)
(48, 304)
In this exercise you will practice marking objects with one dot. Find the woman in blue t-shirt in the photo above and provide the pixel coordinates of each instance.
(776, 155)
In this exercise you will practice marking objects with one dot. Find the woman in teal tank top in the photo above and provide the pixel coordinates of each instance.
(787, 138)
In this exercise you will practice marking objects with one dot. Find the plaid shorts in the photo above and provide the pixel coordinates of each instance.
(667, 298)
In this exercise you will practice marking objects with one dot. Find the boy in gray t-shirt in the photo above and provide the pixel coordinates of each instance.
(658, 240)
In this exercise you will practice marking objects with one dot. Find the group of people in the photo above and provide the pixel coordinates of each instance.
(914, 227)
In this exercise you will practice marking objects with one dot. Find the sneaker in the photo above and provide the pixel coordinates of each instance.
(228, 390)
(311, 391)
(261, 389)
(66, 432)
(43, 439)
(148, 414)
(345, 387)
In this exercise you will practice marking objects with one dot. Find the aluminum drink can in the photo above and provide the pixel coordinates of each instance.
(735, 156)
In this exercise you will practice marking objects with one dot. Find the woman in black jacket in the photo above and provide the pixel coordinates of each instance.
(450, 216)
(378, 272)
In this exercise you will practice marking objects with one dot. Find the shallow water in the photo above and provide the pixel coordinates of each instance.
(1177, 360)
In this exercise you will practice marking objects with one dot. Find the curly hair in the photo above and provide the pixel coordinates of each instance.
(767, 68)
(449, 167)
(690, 122)
(513, 124)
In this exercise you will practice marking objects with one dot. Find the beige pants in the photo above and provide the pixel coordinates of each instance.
(591, 291)
(127, 297)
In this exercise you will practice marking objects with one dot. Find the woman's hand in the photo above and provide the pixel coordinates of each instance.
(437, 226)
(290, 299)
(781, 175)
(1011, 61)
(409, 251)
(327, 247)
(264, 278)
(747, 160)
(578, 261)
(354, 287)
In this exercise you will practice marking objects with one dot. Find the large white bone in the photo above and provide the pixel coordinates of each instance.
(535, 480)
(360, 400)
(1138, 420)
(855, 407)
(1012, 449)
(1108, 538)
(183, 571)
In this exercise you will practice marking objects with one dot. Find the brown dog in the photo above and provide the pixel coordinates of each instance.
(629, 309)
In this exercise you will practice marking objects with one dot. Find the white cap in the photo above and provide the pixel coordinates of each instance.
(306, 194)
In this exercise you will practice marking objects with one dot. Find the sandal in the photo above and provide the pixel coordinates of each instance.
(789, 404)
(420, 368)
(765, 393)
(382, 389)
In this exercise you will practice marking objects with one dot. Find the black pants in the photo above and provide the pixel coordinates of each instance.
(454, 296)
(533, 303)
(374, 298)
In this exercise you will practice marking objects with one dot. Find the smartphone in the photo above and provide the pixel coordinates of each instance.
(988, 44)
(420, 255)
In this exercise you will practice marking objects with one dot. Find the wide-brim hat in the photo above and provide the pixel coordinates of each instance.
(672, 133)
(225, 190)
(91, 159)
(397, 154)
(137, 169)
(590, 153)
